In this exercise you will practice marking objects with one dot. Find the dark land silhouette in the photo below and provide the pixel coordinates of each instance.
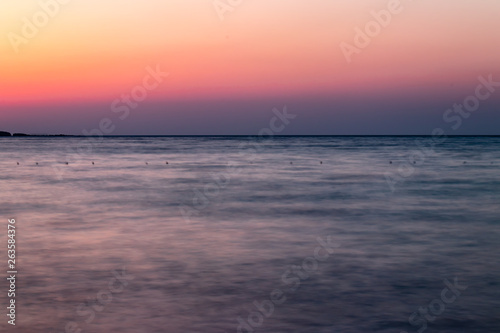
(3, 133)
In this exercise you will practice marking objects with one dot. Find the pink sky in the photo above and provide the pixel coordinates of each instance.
(93, 51)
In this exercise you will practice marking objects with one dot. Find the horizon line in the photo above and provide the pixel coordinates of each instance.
(242, 135)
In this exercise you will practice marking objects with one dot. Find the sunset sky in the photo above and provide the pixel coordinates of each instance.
(226, 75)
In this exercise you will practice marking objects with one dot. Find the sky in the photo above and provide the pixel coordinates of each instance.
(205, 67)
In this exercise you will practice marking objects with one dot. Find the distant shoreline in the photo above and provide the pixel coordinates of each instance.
(21, 135)
(8, 134)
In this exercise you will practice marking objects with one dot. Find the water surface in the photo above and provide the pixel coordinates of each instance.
(215, 229)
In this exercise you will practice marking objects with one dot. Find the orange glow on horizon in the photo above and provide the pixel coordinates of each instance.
(94, 51)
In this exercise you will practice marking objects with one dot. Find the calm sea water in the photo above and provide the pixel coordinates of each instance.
(200, 239)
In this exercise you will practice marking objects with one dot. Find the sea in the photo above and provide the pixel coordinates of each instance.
(301, 234)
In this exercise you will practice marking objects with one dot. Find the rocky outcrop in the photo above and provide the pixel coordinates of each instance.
(19, 134)
(4, 133)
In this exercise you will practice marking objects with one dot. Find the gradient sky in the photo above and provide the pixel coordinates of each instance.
(227, 75)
